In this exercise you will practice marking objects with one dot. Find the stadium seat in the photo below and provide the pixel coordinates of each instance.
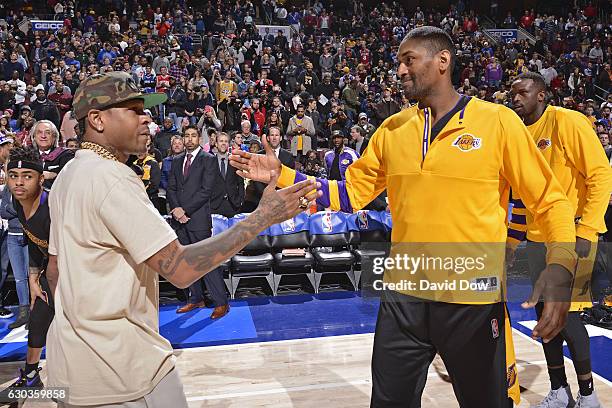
(369, 230)
(220, 224)
(292, 234)
(329, 241)
(254, 261)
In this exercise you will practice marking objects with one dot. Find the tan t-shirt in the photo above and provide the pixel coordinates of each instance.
(104, 343)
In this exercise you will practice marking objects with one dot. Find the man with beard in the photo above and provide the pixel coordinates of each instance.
(337, 160)
(567, 141)
(300, 130)
(448, 145)
(43, 108)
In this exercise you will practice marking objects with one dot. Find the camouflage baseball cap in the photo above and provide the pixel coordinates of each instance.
(101, 91)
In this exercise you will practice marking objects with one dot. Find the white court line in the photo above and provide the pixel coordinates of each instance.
(599, 377)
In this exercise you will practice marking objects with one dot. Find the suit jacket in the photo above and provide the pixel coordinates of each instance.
(230, 188)
(353, 145)
(193, 192)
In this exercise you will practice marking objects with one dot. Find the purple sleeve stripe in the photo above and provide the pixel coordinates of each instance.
(324, 199)
(518, 235)
(345, 202)
(299, 177)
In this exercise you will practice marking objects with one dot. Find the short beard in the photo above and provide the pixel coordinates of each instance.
(416, 91)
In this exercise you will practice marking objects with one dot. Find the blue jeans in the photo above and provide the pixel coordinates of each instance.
(4, 260)
(18, 256)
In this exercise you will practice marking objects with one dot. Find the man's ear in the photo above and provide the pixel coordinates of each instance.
(95, 120)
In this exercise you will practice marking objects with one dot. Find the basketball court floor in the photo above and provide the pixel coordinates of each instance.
(305, 350)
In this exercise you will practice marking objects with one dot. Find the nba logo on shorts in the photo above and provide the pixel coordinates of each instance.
(327, 222)
(362, 220)
(289, 225)
(494, 328)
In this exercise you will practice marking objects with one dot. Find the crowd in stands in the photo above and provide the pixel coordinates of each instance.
(332, 73)
(318, 79)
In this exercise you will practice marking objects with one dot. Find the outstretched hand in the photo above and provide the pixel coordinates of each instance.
(280, 205)
(257, 167)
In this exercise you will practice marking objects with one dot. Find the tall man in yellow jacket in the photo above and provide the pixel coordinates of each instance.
(568, 143)
(448, 165)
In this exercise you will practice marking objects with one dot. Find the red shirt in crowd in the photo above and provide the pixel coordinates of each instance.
(163, 83)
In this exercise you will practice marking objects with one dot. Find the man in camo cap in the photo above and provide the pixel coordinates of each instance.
(108, 243)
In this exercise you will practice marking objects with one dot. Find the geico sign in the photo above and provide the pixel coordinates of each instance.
(508, 33)
(46, 25)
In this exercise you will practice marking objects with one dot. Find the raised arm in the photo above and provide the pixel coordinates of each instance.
(183, 265)
(365, 178)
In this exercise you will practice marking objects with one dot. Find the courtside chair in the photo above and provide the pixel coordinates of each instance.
(220, 224)
(254, 261)
(368, 230)
(329, 244)
(290, 243)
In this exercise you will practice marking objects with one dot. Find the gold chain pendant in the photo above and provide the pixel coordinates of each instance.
(99, 150)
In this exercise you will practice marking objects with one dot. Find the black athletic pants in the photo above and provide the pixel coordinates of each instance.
(574, 332)
(41, 317)
(469, 338)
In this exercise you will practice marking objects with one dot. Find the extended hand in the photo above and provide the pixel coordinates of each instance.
(257, 167)
(280, 205)
(555, 285)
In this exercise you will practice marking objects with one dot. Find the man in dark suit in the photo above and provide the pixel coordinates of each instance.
(255, 189)
(190, 186)
(228, 194)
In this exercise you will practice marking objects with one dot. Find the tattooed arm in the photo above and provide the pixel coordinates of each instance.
(183, 265)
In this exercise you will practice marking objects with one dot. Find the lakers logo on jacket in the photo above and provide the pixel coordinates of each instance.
(544, 144)
(467, 142)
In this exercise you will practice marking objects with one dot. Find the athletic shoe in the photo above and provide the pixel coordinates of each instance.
(28, 381)
(559, 398)
(589, 401)
(5, 313)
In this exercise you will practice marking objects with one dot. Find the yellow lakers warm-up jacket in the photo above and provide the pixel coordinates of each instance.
(455, 189)
(568, 143)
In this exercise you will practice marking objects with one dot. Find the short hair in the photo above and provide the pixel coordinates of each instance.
(54, 131)
(359, 129)
(437, 40)
(300, 106)
(72, 139)
(538, 79)
(186, 128)
(22, 153)
(223, 134)
(275, 127)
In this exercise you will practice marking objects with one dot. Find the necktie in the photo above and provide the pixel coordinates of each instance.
(223, 168)
(187, 165)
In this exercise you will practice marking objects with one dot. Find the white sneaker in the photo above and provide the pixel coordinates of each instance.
(590, 401)
(559, 398)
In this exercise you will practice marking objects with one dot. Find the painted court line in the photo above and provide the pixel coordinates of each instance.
(569, 360)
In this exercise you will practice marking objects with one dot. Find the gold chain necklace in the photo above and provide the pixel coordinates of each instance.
(99, 150)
